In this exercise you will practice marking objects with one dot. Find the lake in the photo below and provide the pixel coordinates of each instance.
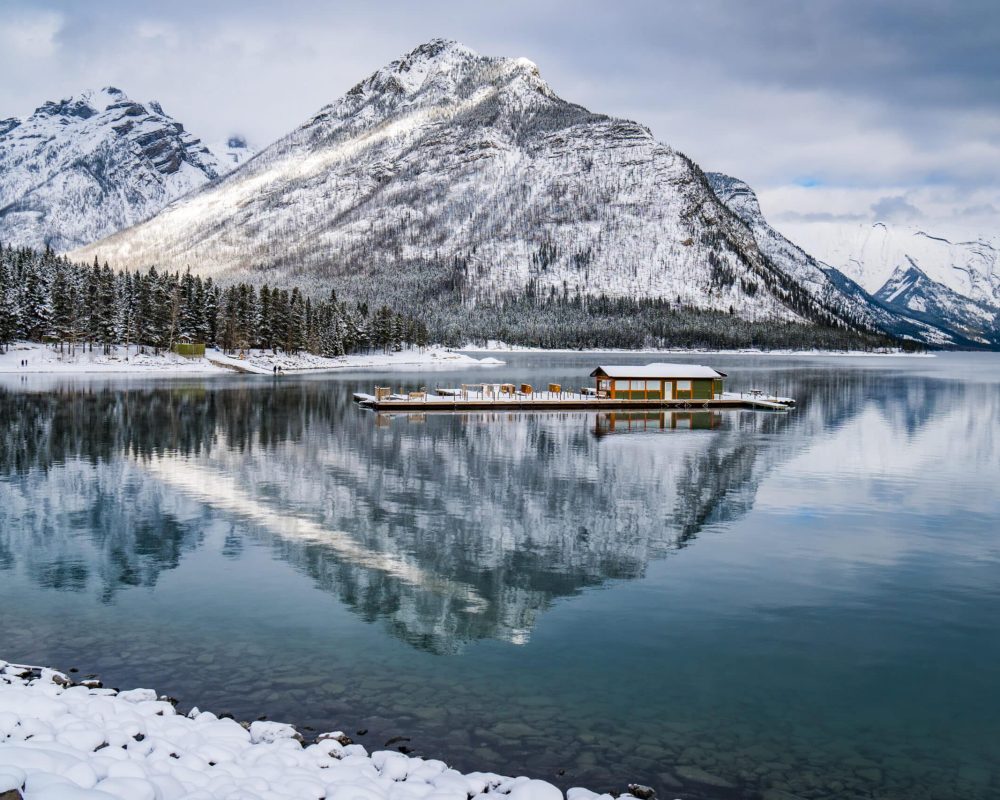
(711, 603)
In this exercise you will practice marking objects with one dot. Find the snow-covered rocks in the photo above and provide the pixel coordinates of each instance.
(82, 168)
(60, 741)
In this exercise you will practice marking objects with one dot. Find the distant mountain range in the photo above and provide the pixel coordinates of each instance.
(952, 283)
(463, 186)
(871, 254)
(85, 167)
(885, 282)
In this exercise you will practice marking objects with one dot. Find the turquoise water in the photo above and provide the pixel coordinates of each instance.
(805, 602)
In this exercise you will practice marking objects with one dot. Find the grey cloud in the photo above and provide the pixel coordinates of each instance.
(818, 216)
(735, 85)
(895, 209)
(981, 210)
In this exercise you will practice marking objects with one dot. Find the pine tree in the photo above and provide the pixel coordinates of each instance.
(66, 311)
(92, 305)
(36, 301)
(295, 335)
(190, 309)
(382, 329)
(228, 320)
(279, 316)
(106, 323)
(124, 313)
(246, 316)
(155, 312)
(210, 315)
(421, 336)
(265, 332)
(9, 311)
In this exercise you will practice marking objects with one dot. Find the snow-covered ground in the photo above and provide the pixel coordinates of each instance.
(41, 358)
(62, 741)
(503, 347)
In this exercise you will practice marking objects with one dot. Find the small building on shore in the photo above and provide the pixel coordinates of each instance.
(658, 382)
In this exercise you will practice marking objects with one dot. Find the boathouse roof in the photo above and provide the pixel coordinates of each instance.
(667, 371)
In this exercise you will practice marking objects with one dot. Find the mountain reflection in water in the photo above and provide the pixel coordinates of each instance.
(803, 601)
(459, 528)
(448, 531)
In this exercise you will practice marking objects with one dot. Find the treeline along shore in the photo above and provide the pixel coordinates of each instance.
(45, 297)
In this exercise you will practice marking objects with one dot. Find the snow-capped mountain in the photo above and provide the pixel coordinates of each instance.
(871, 254)
(85, 167)
(448, 176)
(951, 284)
(792, 259)
(911, 292)
(940, 322)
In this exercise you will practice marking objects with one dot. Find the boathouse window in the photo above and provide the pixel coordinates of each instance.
(621, 386)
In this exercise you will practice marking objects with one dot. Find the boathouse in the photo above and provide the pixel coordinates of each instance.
(658, 382)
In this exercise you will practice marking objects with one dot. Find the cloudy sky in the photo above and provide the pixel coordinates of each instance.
(834, 111)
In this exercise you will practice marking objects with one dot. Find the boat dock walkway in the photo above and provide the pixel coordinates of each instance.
(455, 400)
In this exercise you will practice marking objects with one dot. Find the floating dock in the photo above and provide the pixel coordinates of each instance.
(616, 388)
(561, 401)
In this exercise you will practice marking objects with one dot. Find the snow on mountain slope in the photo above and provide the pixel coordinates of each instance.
(910, 291)
(828, 285)
(793, 260)
(448, 176)
(870, 254)
(87, 166)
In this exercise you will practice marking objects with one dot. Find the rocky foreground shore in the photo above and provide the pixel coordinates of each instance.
(62, 740)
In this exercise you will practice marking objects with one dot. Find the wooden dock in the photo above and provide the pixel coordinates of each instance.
(566, 401)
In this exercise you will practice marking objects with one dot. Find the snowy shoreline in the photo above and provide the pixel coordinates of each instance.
(61, 740)
(42, 359)
(45, 359)
(501, 347)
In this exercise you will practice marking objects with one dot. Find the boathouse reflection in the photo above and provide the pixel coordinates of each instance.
(649, 421)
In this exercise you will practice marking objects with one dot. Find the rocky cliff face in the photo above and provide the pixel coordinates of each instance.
(448, 177)
(82, 168)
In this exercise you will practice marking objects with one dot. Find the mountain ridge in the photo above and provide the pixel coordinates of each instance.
(912, 292)
(871, 252)
(82, 167)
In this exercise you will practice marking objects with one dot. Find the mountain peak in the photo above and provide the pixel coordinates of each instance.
(438, 46)
(438, 75)
(128, 159)
(83, 105)
(408, 73)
